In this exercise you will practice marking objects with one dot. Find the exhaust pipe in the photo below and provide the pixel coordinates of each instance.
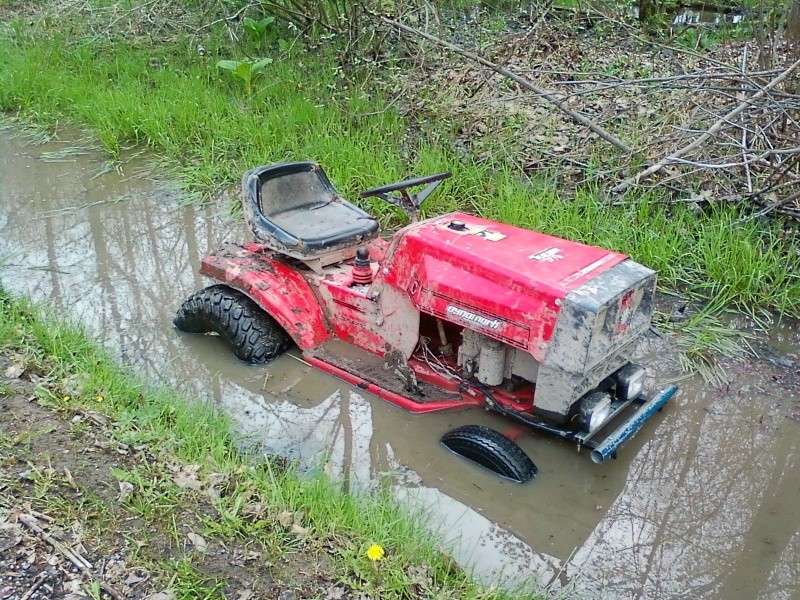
(632, 424)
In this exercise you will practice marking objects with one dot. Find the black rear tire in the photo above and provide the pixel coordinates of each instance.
(251, 333)
(491, 449)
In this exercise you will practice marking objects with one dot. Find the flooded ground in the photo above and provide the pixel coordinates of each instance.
(703, 503)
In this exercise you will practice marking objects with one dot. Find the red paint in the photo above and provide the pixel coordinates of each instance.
(495, 280)
(625, 311)
(389, 396)
(425, 373)
(521, 400)
(514, 432)
(278, 288)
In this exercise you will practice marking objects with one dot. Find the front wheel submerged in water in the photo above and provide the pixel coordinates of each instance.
(491, 449)
(251, 333)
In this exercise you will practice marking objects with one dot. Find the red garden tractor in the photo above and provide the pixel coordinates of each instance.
(448, 312)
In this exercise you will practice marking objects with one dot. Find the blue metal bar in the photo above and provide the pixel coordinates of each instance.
(583, 437)
(609, 446)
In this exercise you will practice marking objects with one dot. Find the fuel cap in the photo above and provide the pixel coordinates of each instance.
(457, 226)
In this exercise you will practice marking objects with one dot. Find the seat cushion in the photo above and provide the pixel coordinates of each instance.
(326, 224)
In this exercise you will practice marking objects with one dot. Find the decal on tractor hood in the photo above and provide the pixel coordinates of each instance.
(589, 268)
(547, 255)
(472, 317)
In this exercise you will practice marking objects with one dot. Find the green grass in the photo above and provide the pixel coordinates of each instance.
(77, 377)
(199, 117)
(206, 129)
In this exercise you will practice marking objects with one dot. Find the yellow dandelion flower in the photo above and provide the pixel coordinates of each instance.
(65, 399)
(375, 552)
(98, 399)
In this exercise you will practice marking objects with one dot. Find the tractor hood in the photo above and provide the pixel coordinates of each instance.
(520, 287)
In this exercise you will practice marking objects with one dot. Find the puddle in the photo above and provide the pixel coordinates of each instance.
(701, 504)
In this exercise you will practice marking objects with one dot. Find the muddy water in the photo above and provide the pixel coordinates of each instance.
(702, 504)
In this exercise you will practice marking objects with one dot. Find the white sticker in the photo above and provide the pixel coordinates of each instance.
(547, 255)
(588, 268)
(471, 317)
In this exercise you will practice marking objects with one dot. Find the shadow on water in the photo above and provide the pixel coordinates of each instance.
(701, 504)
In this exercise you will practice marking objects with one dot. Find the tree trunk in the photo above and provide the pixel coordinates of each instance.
(793, 23)
(649, 8)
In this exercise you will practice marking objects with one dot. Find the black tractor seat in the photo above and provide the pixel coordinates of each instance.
(294, 209)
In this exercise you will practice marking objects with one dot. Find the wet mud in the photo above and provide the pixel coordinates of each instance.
(702, 503)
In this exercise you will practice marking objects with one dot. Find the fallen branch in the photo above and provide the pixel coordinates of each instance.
(36, 585)
(654, 168)
(768, 209)
(744, 135)
(76, 559)
(550, 97)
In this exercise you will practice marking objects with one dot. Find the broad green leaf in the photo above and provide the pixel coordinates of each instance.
(120, 474)
(244, 70)
(228, 65)
(259, 66)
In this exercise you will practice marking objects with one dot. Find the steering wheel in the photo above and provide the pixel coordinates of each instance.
(402, 185)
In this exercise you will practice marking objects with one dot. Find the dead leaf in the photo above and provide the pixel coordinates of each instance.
(15, 371)
(335, 592)
(298, 530)
(254, 509)
(198, 541)
(286, 518)
(125, 490)
(165, 595)
(132, 579)
(186, 477)
(98, 418)
(68, 477)
(214, 479)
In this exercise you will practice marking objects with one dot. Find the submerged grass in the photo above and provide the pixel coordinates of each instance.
(75, 376)
(209, 129)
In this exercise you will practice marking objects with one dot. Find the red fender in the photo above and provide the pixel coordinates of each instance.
(280, 290)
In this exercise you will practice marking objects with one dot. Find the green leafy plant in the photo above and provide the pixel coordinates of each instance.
(255, 28)
(245, 70)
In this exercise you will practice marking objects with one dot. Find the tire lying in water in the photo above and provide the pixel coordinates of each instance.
(491, 449)
(252, 334)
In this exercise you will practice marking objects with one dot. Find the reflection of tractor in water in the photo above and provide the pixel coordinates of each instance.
(449, 312)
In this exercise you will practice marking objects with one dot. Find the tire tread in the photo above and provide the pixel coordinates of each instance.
(251, 333)
(491, 449)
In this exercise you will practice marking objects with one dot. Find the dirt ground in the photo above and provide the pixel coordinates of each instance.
(67, 532)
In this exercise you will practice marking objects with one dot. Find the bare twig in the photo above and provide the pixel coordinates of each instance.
(744, 135)
(621, 187)
(76, 559)
(36, 585)
(228, 18)
(768, 209)
(549, 96)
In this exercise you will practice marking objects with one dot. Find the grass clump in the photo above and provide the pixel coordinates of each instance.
(191, 450)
